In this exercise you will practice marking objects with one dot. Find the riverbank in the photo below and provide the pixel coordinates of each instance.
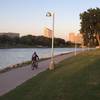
(26, 63)
(23, 64)
(76, 78)
(10, 57)
(13, 78)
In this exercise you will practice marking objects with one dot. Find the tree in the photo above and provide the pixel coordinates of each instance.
(27, 40)
(59, 42)
(5, 39)
(90, 26)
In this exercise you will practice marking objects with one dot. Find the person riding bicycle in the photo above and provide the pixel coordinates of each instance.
(35, 59)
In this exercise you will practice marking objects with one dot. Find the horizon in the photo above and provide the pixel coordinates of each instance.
(29, 17)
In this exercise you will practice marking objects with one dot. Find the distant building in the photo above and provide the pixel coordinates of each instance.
(75, 38)
(71, 37)
(12, 35)
(47, 32)
(79, 38)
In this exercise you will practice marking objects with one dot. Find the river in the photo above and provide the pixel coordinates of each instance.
(13, 56)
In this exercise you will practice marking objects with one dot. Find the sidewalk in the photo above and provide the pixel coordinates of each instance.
(11, 79)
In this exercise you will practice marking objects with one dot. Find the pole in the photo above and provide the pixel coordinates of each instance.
(88, 47)
(75, 45)
(82, 45)
(51, 67)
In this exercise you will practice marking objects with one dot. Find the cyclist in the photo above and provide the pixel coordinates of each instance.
(35, 59)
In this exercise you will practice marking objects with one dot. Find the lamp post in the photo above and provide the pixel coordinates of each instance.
(49, 14)
(82, 45)
(75, 45)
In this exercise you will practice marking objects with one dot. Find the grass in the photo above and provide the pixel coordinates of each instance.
(77, 78)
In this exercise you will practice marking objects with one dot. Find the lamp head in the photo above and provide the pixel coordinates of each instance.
(48, 14)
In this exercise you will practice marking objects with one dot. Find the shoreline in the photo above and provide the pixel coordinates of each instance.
(35, 47)
(13, 78)
(23, 64)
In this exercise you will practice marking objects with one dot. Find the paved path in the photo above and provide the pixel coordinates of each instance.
(11, 79)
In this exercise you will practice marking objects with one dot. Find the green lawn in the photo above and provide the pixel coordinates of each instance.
(77, 78)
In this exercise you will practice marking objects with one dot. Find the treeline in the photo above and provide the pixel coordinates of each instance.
(31, 41)
(90, 27)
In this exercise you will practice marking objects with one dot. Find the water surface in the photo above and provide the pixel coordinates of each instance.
(14, 56)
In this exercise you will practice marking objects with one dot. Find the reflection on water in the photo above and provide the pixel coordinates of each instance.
(13, 56)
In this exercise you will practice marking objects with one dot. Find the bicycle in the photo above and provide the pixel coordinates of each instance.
(34, 65)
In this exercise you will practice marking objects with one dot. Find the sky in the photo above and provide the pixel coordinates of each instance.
(29, 16)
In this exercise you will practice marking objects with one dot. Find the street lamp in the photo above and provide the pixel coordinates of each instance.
(49, 14)
(75, 45)
(82, 44)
